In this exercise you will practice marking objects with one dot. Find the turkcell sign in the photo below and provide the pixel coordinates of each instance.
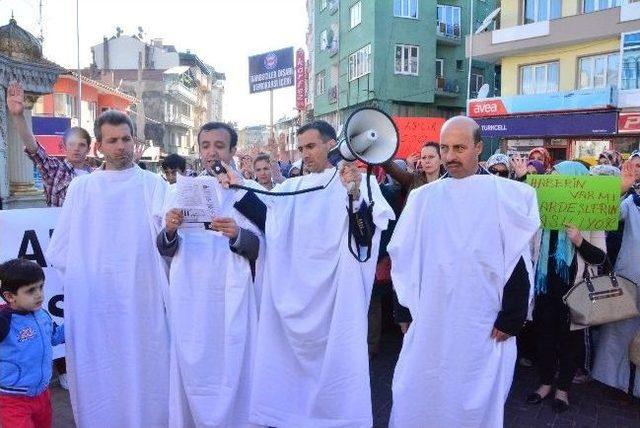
(558, 125)
(271, 70)
(584, 99)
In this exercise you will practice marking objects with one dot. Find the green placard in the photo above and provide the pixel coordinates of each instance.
(588, 202)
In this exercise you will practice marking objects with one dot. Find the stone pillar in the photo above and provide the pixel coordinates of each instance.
(23, 193)
(20, 166)
(4, 173)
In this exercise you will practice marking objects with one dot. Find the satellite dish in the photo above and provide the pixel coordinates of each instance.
(483, 92)
(487, 21)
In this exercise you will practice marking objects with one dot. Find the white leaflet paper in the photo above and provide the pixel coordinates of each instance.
(197, 197)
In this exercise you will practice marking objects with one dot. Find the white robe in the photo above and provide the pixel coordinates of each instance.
(452, 252)
(312, 367)
(213, 318)
(117, 340)
(611, 362)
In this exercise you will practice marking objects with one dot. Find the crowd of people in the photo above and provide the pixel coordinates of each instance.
(269, 314)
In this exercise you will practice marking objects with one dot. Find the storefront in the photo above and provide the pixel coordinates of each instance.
(570, 125)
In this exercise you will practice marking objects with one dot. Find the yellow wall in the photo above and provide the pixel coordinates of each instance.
(509, 16)
(567, 56)
(509, 13)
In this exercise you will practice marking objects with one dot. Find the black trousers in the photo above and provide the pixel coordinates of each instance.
(558, 349)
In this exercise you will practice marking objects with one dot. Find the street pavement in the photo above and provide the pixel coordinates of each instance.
(593, 405)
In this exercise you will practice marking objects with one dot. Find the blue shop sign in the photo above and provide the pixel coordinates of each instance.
(558, 125)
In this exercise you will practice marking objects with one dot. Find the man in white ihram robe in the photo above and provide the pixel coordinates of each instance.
(312, 366)
(461, 263)
(213, 316)
(117, 340)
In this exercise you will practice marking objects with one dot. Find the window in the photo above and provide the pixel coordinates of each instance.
(630, 61)
(589, 6)
(449, 20)
(360, 63)
(406, 60)
(439, 67)
(599, 71)
(477, 80)
(356, 14)
(541, 10)
(539, 78)
(459, 65)
(64, 105)
(320, 83)
(405, 8)
(324, 40)
(323, 5)
(38, 106)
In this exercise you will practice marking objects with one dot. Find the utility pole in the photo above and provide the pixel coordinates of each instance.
(140, 115)
(470, 55)
(78, 57)
(41, 37)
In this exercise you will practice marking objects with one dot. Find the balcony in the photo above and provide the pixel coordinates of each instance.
(178, 119)
(448, 34)
(334, 47)
(524, 39)
(181, 92)
(333, 6)
(447, 88)
(332, 94)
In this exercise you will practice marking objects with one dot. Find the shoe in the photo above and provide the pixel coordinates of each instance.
(559, 406)
(535, 398)
(525, 362)
(64, 383)
(579, 379)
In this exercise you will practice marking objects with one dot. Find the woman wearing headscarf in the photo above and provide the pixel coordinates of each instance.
(611, 363)
(541, 154)
(605, 158)
(614, 237)
(535, 167)
(564, 257)
(499, 165)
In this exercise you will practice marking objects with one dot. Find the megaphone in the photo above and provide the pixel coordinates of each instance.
(369, 135)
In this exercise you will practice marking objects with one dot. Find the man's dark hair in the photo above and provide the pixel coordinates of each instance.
(174, 161)
(18, 273)
(80, 132)
(111, 117)
(210, 126)
(262, 157)
(325, 129)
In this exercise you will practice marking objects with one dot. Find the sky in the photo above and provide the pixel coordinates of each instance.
(223, 33)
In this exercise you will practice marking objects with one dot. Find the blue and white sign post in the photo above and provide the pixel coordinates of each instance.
(269, 71)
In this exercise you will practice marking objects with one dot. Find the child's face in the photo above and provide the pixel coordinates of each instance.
(28, 298)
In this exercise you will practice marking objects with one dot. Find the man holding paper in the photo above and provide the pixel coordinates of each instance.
(213, 302)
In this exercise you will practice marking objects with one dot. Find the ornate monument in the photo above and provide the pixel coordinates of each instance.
(21, 60)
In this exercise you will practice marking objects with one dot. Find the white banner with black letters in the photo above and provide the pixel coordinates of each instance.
(25, 233)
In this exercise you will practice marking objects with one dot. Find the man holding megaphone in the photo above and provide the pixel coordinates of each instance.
(311, 366)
